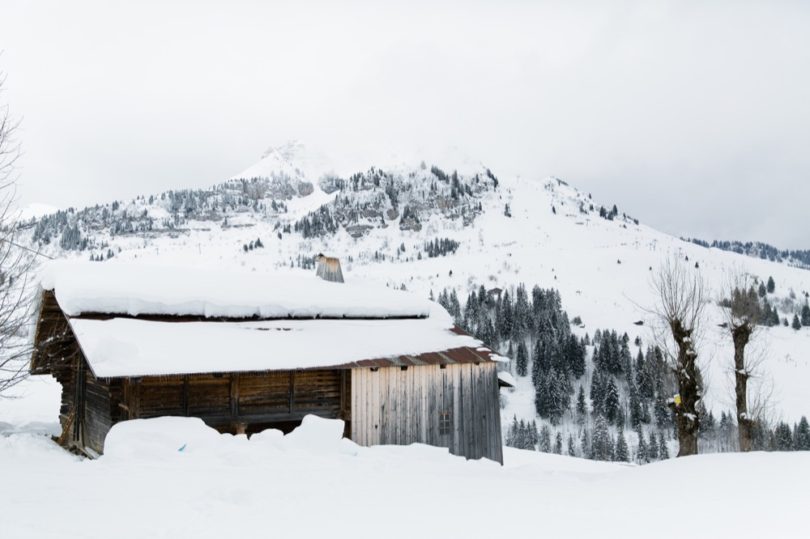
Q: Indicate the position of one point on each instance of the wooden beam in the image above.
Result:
(234, 396)
(291, 391)
(185, 395)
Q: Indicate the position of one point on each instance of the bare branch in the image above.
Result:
(15, 265)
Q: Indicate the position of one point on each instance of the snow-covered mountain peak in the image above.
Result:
(291, 151)
(291, 160)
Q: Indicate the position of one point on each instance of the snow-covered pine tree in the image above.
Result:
(642, 455)
(544, 444)
(522, 361)
(622, 453)
(652, 447)
(663, 451)
(600, 443)
(802, 436)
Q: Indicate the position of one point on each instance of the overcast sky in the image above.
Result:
(692, 116)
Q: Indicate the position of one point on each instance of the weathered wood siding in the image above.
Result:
(234, 401)
(455, 406)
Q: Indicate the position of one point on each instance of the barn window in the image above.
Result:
(445, 422)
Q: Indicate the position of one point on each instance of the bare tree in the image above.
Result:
(681, 299)
(15, 263)
(742, 311)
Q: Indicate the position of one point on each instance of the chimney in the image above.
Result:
(329, 268)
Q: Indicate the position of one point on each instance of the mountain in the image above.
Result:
(455, 229)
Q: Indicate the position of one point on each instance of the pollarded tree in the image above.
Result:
(743, 312)
(681, 299)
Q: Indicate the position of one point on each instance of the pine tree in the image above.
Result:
(663, 451)
(802, 437)
(636, 414)
(522, 363)
(511, 434)
(783, 438)
(642, 456)
(774, 317)
(582, 407)
(805, 320)
(612, 401)
(622, 454)
(545, 440)
(797, 325)
(558, 444)
(762, 292)
(652, 447)
(771, 285)
(533, 436)
(571, 449)
(600, 443)
(585, 443)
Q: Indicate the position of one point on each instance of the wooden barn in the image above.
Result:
(246, 352)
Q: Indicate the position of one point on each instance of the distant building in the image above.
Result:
(247, 352)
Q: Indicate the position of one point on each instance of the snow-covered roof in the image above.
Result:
(506, 379)
(142, 289)
(132, 347)
(245, 321)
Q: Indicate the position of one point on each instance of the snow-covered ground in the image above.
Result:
(174, 477)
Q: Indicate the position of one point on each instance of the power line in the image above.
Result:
(15, 244)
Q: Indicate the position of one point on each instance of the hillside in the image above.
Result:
(432, 228)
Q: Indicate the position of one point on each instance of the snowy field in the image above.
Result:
(174, 478)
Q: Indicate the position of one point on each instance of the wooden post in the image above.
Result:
(185, 395)
(291, 391)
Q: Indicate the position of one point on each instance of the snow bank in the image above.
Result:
(175, 437)
(158, 437)
(118, 287)
(229, 486)
(319, 435)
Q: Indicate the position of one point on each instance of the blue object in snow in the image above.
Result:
(182, 448)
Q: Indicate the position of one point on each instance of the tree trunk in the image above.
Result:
(745, 425)
(686, 414)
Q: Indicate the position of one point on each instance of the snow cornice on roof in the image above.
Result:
(123, 289)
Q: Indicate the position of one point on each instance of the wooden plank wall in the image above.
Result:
(395, 406)
(233, 401)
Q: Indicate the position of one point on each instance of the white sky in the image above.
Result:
(693, 117)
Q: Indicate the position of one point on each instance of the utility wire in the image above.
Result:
(15, 244)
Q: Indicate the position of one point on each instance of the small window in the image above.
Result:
(445, 422)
